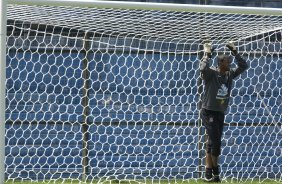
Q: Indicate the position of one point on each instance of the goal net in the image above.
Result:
(102, 94)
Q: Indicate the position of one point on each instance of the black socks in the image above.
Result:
(212, 174)
(209, 172)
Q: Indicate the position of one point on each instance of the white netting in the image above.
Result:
(111, 94)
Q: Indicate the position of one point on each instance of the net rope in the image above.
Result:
(112, 94)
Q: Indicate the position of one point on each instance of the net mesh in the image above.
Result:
(112, 94)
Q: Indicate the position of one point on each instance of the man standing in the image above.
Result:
(215, 99)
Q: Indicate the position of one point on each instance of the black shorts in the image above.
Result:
(213, 122)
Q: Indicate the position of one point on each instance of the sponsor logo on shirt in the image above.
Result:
(222, 93)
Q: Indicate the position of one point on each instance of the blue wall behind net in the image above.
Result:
(49, 88)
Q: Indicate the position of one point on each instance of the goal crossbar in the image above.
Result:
(153, 6)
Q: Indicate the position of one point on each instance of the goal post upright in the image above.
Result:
(3, 5)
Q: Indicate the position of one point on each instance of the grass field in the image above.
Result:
(141, 182)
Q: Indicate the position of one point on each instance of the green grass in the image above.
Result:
(139, 182)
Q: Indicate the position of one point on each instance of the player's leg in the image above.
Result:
(213, 122)
(205, 116)
(209, 166)
(216, 144)
(215, 168)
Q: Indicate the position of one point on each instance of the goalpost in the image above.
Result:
(101, 91)
(2, 86)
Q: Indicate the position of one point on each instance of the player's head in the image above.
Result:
(224, 62)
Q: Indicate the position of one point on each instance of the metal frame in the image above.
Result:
(153, 6)
(101, 4)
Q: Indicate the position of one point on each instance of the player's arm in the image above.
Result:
(204, 63)
(241, 62)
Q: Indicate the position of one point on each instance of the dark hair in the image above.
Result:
(221, 58)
